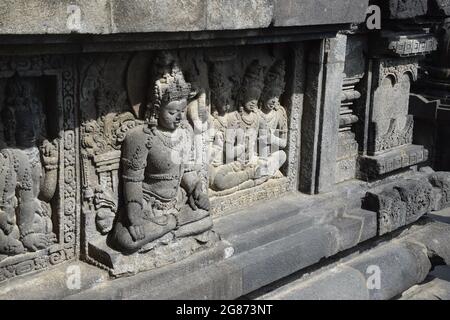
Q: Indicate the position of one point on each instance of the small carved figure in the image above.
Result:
(249, 120)
(274, 127)
(163, 196)
(35, 168)
(224, 172)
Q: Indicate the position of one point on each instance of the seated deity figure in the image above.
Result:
(31, 184)
(275, 126)
(224, 172)
(164, 198)
(250, 123)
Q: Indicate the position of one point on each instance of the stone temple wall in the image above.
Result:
(207, 149)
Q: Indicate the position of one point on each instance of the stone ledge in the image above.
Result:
(117, 16)
(403, 263)
(286, 236)
(402, 157)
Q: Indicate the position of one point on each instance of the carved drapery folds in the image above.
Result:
(38, 186)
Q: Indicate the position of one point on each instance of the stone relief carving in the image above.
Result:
(390, 126)
(30, 171)
(397, 68)
(163, 195)
(146, 201)
(249, 137)
(394, 136)
(228, 131)
(38, 182)
(401, 204)
(391, 99)
(246, 142)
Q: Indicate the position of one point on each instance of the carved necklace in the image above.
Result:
(270, 118)
(251, 120)
(167, 139)
(222, 123)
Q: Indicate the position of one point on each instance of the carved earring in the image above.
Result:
(153, 119)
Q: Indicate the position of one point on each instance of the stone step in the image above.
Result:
(400, 264)
(269, 256)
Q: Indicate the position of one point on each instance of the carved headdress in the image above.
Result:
(169, 84)
(220, 85)
(252, 83)
(20, 100)
(274, 83)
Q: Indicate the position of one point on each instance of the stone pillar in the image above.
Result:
(296, 86)
(350, 135)
(321, 115)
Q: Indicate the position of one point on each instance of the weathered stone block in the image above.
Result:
(54, 17)
(236, 14)
(390, 208)
(441, 181)
(376, 166)
(313, 12)
(417, 195)
(154, 16)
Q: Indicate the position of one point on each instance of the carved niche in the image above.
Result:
(145, 206)
(38, 164)
(252, 152)
(392, 125)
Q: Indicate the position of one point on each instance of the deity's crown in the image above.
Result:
(220, 85)
(274, 83)
(172, 87)
(253, 80)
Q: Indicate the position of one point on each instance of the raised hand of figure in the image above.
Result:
(35, 241)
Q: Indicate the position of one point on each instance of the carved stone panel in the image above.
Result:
(401, 204)
(252, 148)
(38, 172)
(390, 126)
(171, 138)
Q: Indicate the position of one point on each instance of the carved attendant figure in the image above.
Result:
(224, 172)
(249, 122)
(274, 119)
(35, 171)
(164, 198)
